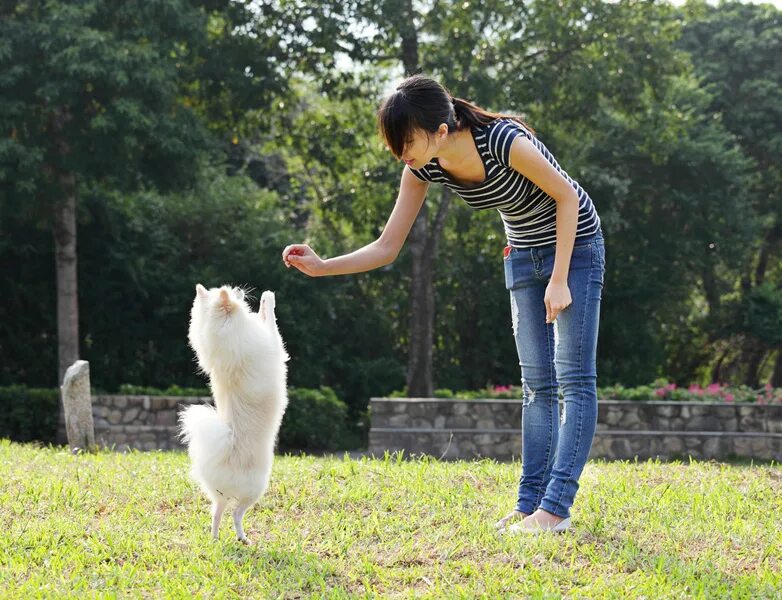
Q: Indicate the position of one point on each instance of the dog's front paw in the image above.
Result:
(266, 309)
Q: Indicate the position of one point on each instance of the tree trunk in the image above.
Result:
(65, 261)
(419, 361)
(423, 242)
(67, 293)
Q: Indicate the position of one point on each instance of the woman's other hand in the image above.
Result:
(557, 299)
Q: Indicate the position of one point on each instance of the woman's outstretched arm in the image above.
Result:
(383, 251)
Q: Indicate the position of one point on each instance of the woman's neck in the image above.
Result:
(457, 147)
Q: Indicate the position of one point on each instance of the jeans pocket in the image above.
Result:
(508, 265)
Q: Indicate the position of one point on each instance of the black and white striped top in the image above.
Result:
(528, 213)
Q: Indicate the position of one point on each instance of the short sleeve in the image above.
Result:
(500, 138)
(421, 174)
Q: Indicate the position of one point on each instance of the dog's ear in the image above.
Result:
(201, 291)
(225, 301)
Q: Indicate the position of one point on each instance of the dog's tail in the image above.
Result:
(208, 437)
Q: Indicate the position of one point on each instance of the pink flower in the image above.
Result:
(670, 386)
(768, 387)
(498, 389)
(729, 397)
(660, 392)
(761, 400)
(714, 388)
(694, 388)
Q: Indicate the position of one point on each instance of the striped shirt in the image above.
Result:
(528, 213)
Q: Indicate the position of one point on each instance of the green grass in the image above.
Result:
(133, 525)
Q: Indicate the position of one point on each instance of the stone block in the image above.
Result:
(613, 416)
(674, 424)
(115, 417)
(166, 417)
(481, 409)
(620, 449)
(120, 401)
(751, 422)
(711, 447)
(130, 415)
(672, 444)
(77, 406)
(460, 408)
(630, 421)
(742, 446)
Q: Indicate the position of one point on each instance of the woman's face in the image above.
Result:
(422, 146)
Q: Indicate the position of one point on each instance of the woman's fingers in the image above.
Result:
(294, 250)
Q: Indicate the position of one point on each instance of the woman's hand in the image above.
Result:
(557, 299)
(304, 259)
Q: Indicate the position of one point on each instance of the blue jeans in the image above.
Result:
(554, 356)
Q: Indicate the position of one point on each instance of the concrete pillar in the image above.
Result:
(77, 406)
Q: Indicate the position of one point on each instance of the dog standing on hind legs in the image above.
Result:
(231, 445)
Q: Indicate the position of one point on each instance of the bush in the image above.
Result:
(315, 420)
(28, 414)
(661, 389)
(128, 389)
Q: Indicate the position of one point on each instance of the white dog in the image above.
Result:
(231, 445)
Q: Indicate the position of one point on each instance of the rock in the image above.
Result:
(130, 415)
(167, 417)
(77, 406)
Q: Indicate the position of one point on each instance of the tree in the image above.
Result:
(735, 48)
(116, 94)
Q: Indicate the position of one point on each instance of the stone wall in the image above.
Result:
(625, 429)
(140, 422)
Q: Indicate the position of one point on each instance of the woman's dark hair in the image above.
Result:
(421, 103)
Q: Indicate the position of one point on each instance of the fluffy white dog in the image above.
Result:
(231, 445)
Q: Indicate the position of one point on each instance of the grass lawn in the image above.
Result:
(133, 525)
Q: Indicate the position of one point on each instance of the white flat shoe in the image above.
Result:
(504, 521)
(563, 525)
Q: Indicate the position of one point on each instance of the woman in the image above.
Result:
(554, 267)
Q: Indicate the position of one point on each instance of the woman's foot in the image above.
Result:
(541, 521)
(508, 519)
(542, 518)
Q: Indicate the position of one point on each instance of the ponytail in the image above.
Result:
(471, 115)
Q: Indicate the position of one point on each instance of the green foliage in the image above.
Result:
(314, 420)
(661, 389)
(28, 414)
(173, 390)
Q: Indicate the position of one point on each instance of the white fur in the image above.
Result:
(231, 445)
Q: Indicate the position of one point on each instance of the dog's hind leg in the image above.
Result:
(238, 515)
(218, 507)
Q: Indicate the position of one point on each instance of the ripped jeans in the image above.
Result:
(554, 357)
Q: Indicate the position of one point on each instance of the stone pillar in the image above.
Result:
(77, 406)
